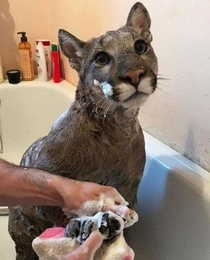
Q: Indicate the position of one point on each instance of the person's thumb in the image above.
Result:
(87, 250)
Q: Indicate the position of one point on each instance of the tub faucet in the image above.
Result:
(1, 138)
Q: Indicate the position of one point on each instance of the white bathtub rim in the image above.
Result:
(160, 149)
(176, 163)
(63, 86)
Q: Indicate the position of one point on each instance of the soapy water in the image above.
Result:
(119, 249)
(58, 245)
(54, 243)
(107, 223)
(103, 203)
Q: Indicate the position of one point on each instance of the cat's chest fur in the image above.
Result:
(91, 147)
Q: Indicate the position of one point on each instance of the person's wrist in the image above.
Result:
(66, 190)
(55, 184)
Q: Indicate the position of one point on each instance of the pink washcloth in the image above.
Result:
(52, 245)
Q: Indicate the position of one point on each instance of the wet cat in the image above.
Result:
(99, 138)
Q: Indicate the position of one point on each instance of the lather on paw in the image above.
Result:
(55, 243)
(108, 224)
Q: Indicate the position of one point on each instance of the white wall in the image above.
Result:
(179, 112)
(19, 15)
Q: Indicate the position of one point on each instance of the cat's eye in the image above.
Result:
(140, 46)
(102, 58)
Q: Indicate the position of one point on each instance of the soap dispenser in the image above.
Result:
(25, 58)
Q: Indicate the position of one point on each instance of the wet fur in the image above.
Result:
(99, 138)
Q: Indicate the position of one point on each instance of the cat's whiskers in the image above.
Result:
(160, 83)
(162, 90)
(92, 95)
(159, 78)
(109, 108)
(99, 90)
(110, 103)
(96, 106)
(104, 103)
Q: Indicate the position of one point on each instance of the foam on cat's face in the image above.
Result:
(128, 96)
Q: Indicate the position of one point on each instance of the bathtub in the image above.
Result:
(173, 197)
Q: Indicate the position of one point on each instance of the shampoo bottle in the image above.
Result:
(55, 64)
(25, 58)
(41, 62)
(47, 50)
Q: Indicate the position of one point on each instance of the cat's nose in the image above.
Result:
(134, 76)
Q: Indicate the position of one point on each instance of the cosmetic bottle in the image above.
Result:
(25, 58)
(47, 51)
(1, 71)
(41, 62)
(55, 64)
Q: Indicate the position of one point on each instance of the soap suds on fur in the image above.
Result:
(89, 208)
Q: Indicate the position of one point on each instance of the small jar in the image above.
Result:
(13, 76)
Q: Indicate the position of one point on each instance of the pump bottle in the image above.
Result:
(25, 58)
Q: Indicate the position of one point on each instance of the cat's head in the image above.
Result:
(120, 65)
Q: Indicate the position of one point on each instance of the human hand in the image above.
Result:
(87, 198)
(53, 244)
(87, 250)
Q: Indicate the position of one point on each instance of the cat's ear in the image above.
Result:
(72, 48)
(139, 18)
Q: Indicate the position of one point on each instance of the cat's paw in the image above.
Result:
(108, 223)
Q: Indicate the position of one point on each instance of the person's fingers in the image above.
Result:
(94, 241)
(120, 210)
(87, 250)
(117, 197)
